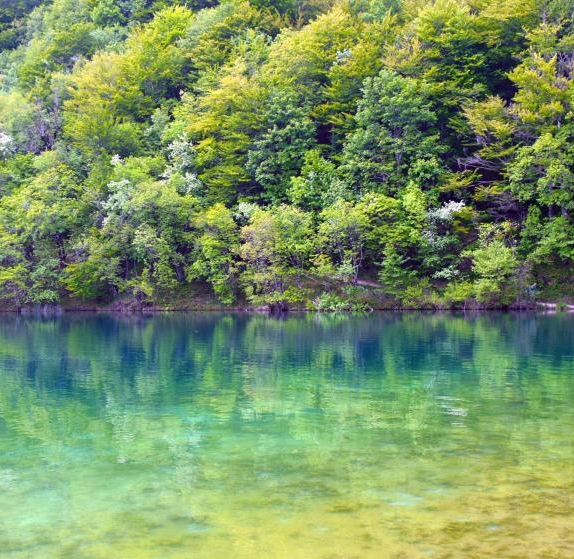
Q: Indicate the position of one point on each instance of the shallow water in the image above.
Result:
(211, 436)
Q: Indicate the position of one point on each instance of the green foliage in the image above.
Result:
(395, 133)
(317, 185)
(302, 59)
(221, 125)
(331, 302)
(458, 292)
(542, 99)
(395, 276)
(95, 271)
(11, 15)
(217, 250)
(555, 241)
(107, 12)
(276, 246)
(495, 266)
(275, 157)
(544, 171)
(113, 91)
(285, 151)
(342, 236)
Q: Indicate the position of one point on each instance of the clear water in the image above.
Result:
(214, 436)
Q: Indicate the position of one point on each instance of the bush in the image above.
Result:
(458, 292)
(331, 302)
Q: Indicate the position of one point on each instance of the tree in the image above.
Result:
(222, 124)
(317, 185)
(542, 100)
(149, 220)
(544, 172)
(495, 265)
(277, 245)
(37, 220)
(95, 270)
(11, 15)
(342, 236)
(276, 156)
(217, 248)
(114, 92)
(395, 131)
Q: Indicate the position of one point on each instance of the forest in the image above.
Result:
(324, 154)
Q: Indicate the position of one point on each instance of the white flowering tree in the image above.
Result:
(6, 145)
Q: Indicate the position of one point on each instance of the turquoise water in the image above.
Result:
(211, 436)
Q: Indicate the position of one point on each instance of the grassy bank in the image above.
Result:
(367, 296)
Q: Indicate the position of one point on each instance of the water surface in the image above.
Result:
(211, 436)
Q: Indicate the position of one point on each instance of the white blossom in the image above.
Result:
(342, 56)
(118, 202)
(6, 145)
(181, 154)
(244, 211)
(116, 160)
(446, 211)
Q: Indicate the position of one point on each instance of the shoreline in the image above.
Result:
(56, 310)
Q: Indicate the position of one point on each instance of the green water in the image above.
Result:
(214, 436)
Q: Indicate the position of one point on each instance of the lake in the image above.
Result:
(212, 436)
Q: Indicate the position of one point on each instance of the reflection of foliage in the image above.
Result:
(223, 409)
(394, 348)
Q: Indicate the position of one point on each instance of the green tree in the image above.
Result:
(222, 124)
(216, 252)
(495, 266)
(114, 92)
(275, 156)
(544, 172)
(276, 247)
(37, 220)
(317, 186)
(342, 236)
(395, 131)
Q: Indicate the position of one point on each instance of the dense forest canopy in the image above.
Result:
(287, 152)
